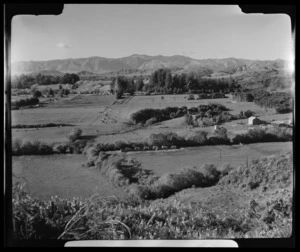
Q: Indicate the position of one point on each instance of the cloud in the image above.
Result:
(63, 45)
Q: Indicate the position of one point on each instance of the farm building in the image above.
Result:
(216, 127)
(253, 120)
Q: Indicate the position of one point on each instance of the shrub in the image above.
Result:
(74, 134)
(36, 94)
(227, 168)
(165, 139)
(284, 109)
(249, 113)
(188, 119)
(151, 121)
(212, 174)
(119, 145)
(191, 97)
(219, 137)
(78, 146)
(26, 102)
(27, 147)
(271, 134)
(197, 138)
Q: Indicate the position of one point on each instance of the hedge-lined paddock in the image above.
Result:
(122, 171)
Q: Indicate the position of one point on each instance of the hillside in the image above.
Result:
(264, 179)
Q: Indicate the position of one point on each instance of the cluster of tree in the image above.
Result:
(122, 84)
(281, 101)
(242, 96)
(208, 115)
(63, 91)
(26, 81)
(201, 116)
(144, 115)
(162, 81)
(26, 102)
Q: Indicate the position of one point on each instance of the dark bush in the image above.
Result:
(74, 134)
(271, 134)
(249, 113)
(26, 102)
(26, 147)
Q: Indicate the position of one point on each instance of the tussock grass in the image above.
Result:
(108, 218)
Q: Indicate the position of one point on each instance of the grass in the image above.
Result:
(107, 218)
(63, 175)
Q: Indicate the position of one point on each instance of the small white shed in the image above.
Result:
(216, 127)
(253, 120)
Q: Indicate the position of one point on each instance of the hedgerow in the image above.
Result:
(270, 134)
(42, 125)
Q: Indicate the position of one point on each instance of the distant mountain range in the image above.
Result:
(142, 63)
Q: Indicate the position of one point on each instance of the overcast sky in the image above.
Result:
(113, 31)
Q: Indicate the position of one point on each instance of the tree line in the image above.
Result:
(26, 81)
(163, 82)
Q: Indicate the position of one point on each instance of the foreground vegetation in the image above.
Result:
(111, 218)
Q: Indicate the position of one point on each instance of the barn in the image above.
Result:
(253, 120)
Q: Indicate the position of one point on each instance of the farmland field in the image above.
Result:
(63, 175)
(100, 117)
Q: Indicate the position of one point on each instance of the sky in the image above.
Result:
(114, 31)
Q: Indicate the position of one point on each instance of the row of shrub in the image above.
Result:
(212, 110)
(111, 219)
(26, 102)
(201, 116)
(171, 183)
(122, 171)
(167, 140)
(42, 125)
(144, 115)
(26, 147)
(259, 135)
(155, 141)
(170, 140)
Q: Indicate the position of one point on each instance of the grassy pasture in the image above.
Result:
(87, 112)
(61, 175)
(64, 176)
(172, 161)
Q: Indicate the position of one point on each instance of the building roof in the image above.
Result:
(252, 117)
